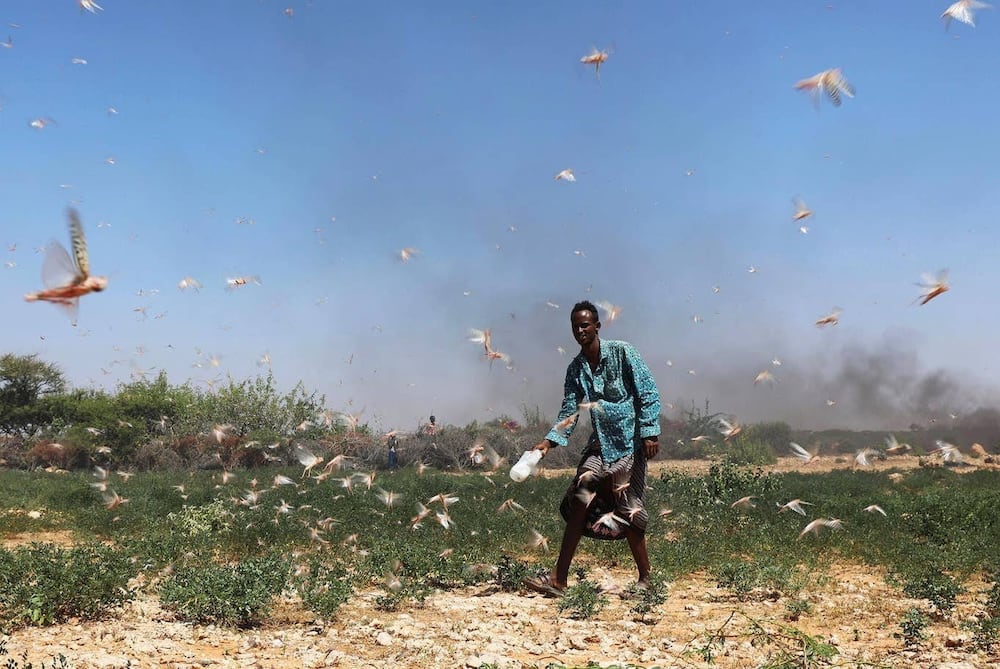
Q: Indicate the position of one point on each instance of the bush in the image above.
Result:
(993, 597)
(985, 633)
(256, 410)
(912, 628)
(582, 600)
(938, 588)
(762, 579)
(694, 422)
(645, 600)
(749, 451)
(200, 521)
(157, 456)
(796, 608)
(511, 573)
(773, 435)
(409, 590)
(42, 584)
(323, 588)
(231, 595)
(723, 483)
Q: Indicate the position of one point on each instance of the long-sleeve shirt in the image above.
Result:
(627, 403)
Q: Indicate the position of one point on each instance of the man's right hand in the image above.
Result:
(542, 446)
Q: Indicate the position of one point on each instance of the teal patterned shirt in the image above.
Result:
(628, 403)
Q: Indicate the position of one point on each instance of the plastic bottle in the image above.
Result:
(526, 466)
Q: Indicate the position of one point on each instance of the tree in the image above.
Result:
(256, 409)
(25, 382)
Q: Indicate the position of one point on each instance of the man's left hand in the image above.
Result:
(652, 446)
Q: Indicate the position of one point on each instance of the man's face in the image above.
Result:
(585, 327)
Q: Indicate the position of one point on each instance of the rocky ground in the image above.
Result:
(853, 608)
(478, 626)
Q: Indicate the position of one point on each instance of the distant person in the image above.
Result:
(431, 428)
(393, 457)
(605, 499)
(510, 425)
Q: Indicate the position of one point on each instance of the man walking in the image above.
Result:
(605, 499)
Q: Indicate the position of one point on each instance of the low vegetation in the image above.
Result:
(220, 524)
(213, 556)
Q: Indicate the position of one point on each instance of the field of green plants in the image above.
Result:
(214, 553)
(194, 497)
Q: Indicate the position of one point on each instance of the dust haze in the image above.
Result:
(854, 384)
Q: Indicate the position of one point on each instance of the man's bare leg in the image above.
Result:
(637, 544)
(570, 540)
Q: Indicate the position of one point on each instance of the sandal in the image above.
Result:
(543, 585)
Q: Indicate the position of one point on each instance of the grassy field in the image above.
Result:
(196, 541)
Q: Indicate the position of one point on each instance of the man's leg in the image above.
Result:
(575, 515)
(571, 539)
(637, 544)
(635, 533)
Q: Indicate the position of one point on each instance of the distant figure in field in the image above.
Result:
(605, 499)
(431, 428)
(393, 457)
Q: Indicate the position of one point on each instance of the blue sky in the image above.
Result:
(349, 131)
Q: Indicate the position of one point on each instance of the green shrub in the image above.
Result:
(511, 573)
(410, 590)
(42, 584)
(725, 480)
(582, 600)
(935, 586)
(645, 600)
(198, 521)
(993, 597)
(796, 607)
(723, 483)
(323, 588)
(791, 648)
(985, 633)
(749, 451)
(231, 595)
(757, 579)
(774, 435)
(912, 628)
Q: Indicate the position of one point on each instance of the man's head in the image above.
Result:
(586, 305)
(586, 322)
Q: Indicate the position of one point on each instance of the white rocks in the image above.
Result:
(473, 627)
(143, 647)
(100, 660)
(333, 658)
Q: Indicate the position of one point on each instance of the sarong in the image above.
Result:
(620, 488)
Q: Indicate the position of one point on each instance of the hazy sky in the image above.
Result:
(348, 131)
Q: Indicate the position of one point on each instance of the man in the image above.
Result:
(393, 456)
(431, 428)
(605, 499)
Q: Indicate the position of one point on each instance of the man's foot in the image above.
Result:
(545, 585)
(634, 590)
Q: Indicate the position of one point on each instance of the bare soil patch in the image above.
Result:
(853, 607)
